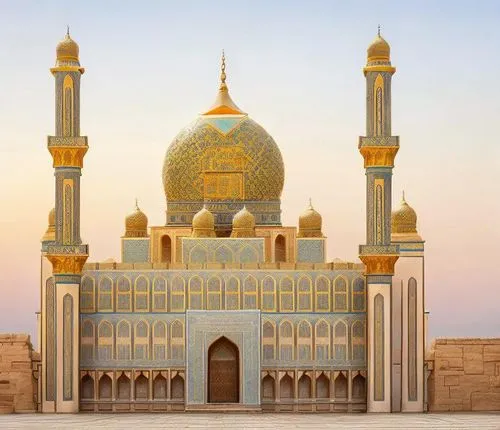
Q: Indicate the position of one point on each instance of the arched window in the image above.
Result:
(214, 293)
(105, 297)
(87, 341)
(286, 295)
(358, 295)
(268, 388)
(87, 295)
(268, 303)
(159, 387)
(340, 295)
(177, 295)
(105, 387)
(304, 294)
(141, 293)
(195, 293)
(341, 386)
(233, 293)
(123, 341)
(340, 341)
(286, 340)
(304, 340)
(322, 294)
(177, 387)
(305, 386)
(124, 294)
(141, 341)
(141, 387)
(280, 249)
(268, 340)
(247, 254)
(166, 249)
(87, 388)
(286, 387)
(223, 254)
(358, 340)
(358, 387)
(322, 386)
(250, 293)
(160, 341)
(177, 340)
(105, 341)
(322, 340)
(123, 387)
(159, 294)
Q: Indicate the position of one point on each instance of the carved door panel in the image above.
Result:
(223, 372)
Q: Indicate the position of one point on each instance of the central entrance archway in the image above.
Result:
(223, 372)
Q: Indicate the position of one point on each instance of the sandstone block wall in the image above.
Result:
(17, 384)
(464, 375)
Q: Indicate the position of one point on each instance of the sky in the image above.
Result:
(296, 68)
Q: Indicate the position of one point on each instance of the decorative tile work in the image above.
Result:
(311, 250)
(222, 250)
(135, 250)
(68, 347)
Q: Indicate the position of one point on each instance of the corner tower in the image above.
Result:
(378, 149)
(67, 254)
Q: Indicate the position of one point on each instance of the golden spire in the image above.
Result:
(223, 105)
(136, 204)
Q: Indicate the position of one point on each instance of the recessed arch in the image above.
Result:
(280, 249)
(166, 249)
(223, 372)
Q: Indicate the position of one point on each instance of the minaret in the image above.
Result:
(379, 149)
(60, 366)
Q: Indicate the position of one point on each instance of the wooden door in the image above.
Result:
(223, 372)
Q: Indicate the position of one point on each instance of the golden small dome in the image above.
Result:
(243, 224)
(203, 224)
(136, 224)
(404, 219)
(67, 49)
(310, 223)
(379, 50)
(50, 234)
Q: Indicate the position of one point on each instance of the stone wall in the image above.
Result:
(464, 375)
(17, 383)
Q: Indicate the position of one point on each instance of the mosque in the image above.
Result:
(223, 307)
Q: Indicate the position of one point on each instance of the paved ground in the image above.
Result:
(454, 421)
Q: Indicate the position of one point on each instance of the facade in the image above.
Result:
(223, 307)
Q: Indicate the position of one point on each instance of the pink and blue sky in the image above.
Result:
(296, 68)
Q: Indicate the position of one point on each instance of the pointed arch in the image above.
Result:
(141, 294)
(304, 287)
(160, 341)
(123, 387)
(340, 386)
(268, 294)
(304, 340)
(105, 341)
(268, 340)
(322, 340)
(340, 340)
(105, 387)
(340, 294)
(378, 106)
(123, 340)
(123, 294)
(322, 386)
(280, 249)
(198, 254)
(105, 296)
(233, 293)
(68, 125)
(359, 387)
(141, 340)
(87, 294)
(287, 299)
(358, 299)
(305, 386)
(224, 254)
(358, 340)
(214, 293)
(195, 292)
(87, 388)
(177, 387)
(141, 386)
(178, 294)
(379, 348)
(247, 254)
(286, 340)
(159, 294)
(166, 249)
(286, 387)
(250, 286)
(159, 387)
(412, 340)
(268, 392)
(177, 340)
(322, 285)
(87, 340)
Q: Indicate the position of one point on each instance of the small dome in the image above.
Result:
(203, 224)
(136, 224)
(67, 49)
(310, 223)
(50, 234)
(243, 224)
(379, 50)
(404, 219)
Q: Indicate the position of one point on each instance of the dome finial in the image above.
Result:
(67, 30)
(310, 203)
(223, 70)
(136, 204)
(403, 198)
(378, 30)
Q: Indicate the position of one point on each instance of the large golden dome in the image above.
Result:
(136, 224)
(310, 223)
(223, 159)
(404, 219)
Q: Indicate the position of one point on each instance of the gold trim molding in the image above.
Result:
(379, 264)
(67, 156)
(379, 156)
(67, 264)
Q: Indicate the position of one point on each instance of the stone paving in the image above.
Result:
(258, 421)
